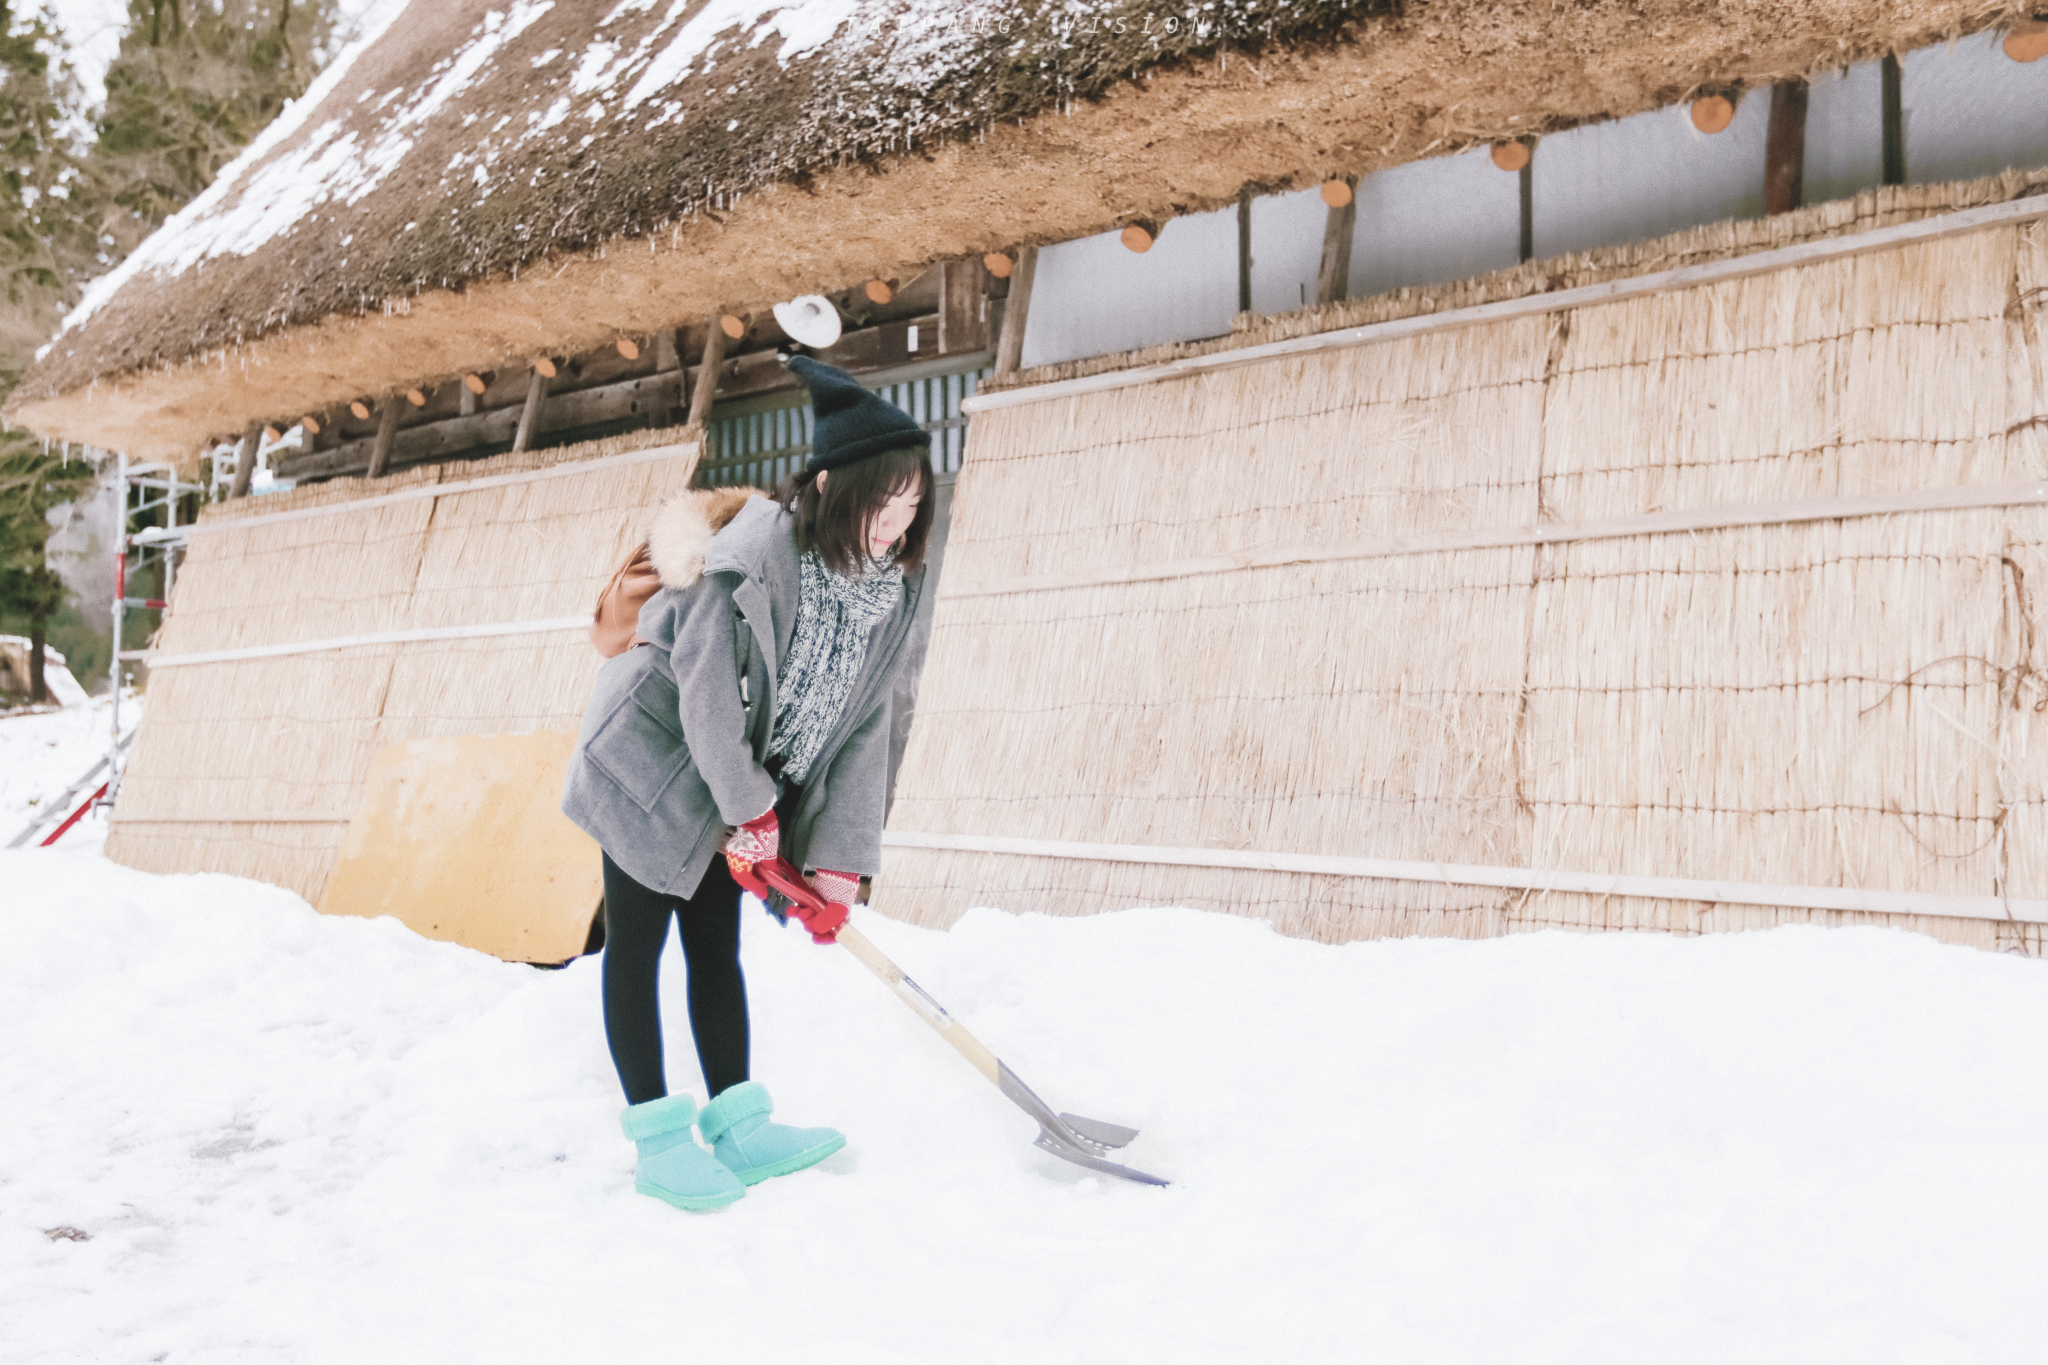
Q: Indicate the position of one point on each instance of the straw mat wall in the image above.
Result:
(1853, 703)
(293, 735)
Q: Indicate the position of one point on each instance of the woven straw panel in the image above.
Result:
(1838, 704)
(295, 734)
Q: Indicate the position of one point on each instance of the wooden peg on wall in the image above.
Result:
(360, 410)
(1140, 235)
(1511, 156)
(628, 348)
(475, 384)
(2027, 41)
(544, 367)
(733, 327)
(878, 291)
(997, 264)
(416, 398)
(1337, 193)
(311, 424)
(1713, 113)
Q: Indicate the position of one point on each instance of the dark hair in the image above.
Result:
(833, 524)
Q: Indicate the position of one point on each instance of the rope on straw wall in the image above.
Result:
(1511, 878)
(2031, 493)
(1608, 291)
(382, 637)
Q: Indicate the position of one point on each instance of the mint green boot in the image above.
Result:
(737, 1127)
(672, 1166)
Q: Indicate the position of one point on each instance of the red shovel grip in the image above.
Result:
(779, 876)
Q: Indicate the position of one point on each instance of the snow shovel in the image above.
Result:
(1085, 1142)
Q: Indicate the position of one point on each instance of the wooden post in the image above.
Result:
(245, 461)
(1527, 176)
(387, 431)
(1894, 123)
(963, 320)
(668, 350)
(1244, 250)
(529, 416)
(1785, 148)
(706, 392)
(1016, 313)
(1333, 276)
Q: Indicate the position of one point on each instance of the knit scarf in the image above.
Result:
(834, 617)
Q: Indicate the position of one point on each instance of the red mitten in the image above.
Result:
(837, 890)
(757, 840)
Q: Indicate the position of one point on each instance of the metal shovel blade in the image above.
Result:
(1085, 1142)
(1099, 1134)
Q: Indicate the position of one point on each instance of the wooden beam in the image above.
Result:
(529, 416)
(963, 306)
(656, 399)
(458, 436)
(245, 461)
(1785, 148)
(706, 393)
(1333, 275)
(387, 431)
(1016, 313)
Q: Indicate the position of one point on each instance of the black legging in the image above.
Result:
(636, 930)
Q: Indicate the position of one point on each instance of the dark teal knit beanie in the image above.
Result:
(852, 423)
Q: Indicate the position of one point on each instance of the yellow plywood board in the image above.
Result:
(463, 839)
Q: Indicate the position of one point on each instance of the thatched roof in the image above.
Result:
(477, 183)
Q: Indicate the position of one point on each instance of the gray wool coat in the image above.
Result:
(676, 731)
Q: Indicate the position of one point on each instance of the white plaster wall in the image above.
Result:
(1094, 295)
(1287, 249)
(1431, 221)
(1844, 133)
(1971, 110)
(1639, 177)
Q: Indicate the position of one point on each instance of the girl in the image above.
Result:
(751, 714)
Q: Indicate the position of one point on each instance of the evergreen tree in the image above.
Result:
(47, 246)
(32, 482)
(194, 82)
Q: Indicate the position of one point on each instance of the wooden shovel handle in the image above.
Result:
(913, 995)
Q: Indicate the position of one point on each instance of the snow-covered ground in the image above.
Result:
(294, 1138)
(41, 755)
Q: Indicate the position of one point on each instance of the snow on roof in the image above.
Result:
(468, 137)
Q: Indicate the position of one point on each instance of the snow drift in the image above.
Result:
(291, 1137)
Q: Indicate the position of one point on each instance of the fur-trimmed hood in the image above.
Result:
(680, 534)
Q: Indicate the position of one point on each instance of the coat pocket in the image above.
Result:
(639, 746)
